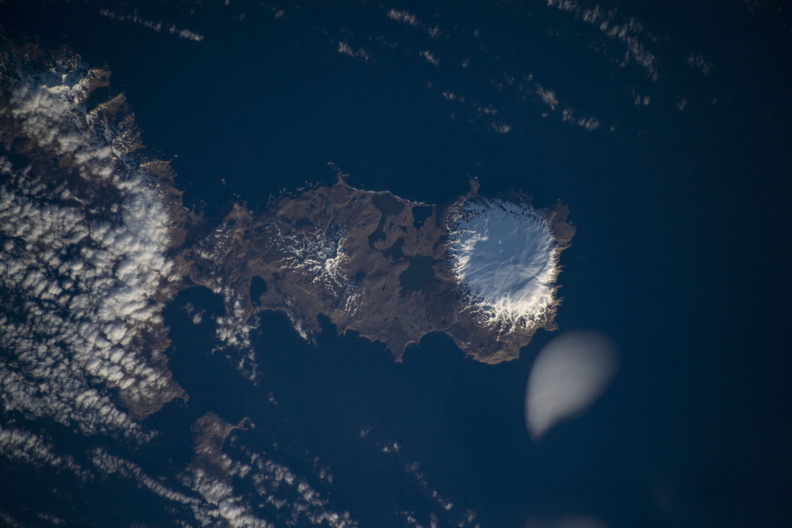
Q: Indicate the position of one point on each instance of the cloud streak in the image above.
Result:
(154, 26)
(36, 451)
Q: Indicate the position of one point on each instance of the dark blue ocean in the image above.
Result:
(681, 255)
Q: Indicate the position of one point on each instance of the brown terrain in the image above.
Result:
(371, 262)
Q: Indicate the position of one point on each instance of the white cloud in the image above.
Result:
(10, 521)
(83, 264)
(641, 100)
(548, 97)
(409, 19)
(588, 123)
(698, 62)
(346, 49)
(430, 57)
(109, 464)
(566, 521)
(23, 446)
(155, 26)
(185, 33)
(218, 494)
(500, 127)
(627, 32)
(211, 497)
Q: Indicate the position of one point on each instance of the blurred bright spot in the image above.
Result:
(567, 521)
(571, 372)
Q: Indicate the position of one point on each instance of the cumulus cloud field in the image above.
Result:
(83, 259)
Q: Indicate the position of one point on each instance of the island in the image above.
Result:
(96, 241)
(374, 264)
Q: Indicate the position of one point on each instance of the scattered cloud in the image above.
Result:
(504, 283)
(83, 263)
(108, 464)
(34, 450)
(234, 328)
(219, 501)
(588, 123)
(346, 49)
(317, 253)
(698, 62)
(10, 521)
(501, 128)
(409, 19)
(294, 497)
(155, 26)
(569, 374)
(430, 57)
(550, 99)
(641, 100)
(627, 32)
(403, 17)
(277, 13)
(566, 521)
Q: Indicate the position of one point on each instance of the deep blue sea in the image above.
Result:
(681, 255)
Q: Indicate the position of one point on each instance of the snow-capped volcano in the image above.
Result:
(506, 259)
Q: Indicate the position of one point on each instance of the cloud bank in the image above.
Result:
(83, 230)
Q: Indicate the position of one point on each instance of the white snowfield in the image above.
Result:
(506, 259)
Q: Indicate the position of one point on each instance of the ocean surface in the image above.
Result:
(681, 255)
